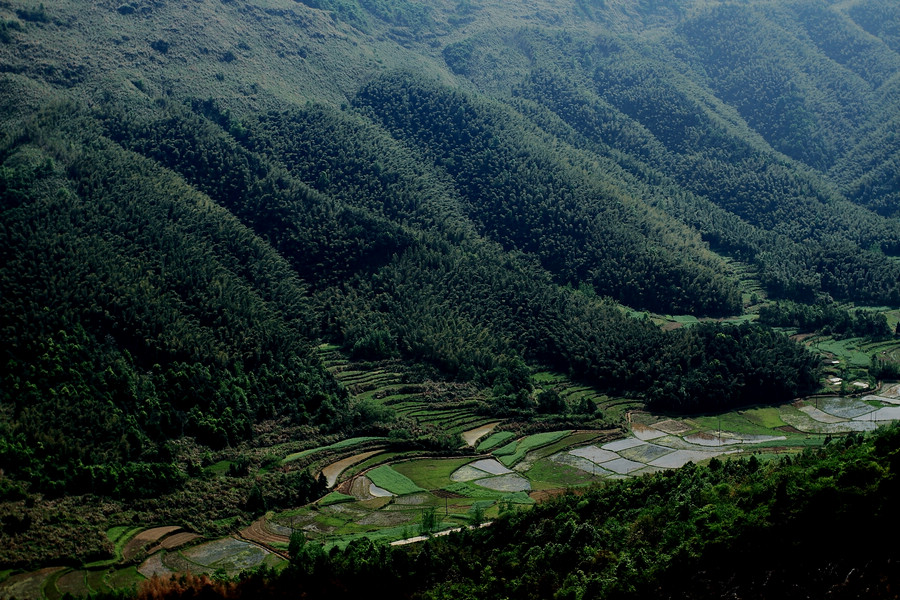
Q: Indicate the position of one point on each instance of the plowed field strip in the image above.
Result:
(334, 470)
(145, 538)
(258, 532)
(473, 435)
(175, 541)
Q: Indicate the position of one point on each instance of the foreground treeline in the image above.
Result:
(794, 527)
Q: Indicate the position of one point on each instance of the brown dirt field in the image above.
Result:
(174, 541)
(144, 539)
(375, 503)
(179, 539)
(788, 429)
(446, 494)
(671, 325)
(359, 488)
(258, 532)
(334, 470)
(473, 435)
(799, 337)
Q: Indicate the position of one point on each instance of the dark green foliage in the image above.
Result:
(35, 15)
(116, 333)
(826, 318)
(256, 503)
(400, 13)
(529, 199)
(550, 402)
(884, 368)
(160, 46)
(375, 345)
(6, 27)
(710, 368)
(631, 104)
(429, 521)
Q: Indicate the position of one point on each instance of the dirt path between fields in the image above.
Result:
(422, 538)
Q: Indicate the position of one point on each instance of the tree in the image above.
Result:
(295, 546)
(429, 521)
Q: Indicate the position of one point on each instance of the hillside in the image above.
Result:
(197, 195)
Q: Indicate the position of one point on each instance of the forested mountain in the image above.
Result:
(193, 195)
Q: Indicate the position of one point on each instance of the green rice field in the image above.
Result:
(387, 478)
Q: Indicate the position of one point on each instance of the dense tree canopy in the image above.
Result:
(219, 187)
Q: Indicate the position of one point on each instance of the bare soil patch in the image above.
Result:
(473, 435)
(799, 337)
(179, 539)
(334, 470)
(410, 500)
(72, 583)
(359, 488)
(446, 494)
(788, 429)
(144, 539)
(258, 531)
(155, 566)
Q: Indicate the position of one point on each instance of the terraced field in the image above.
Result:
(748, 281)
(383, 492)
(612, 408)
(120, 572)
(105, 576)
(383, 384)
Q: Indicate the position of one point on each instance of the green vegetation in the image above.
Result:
(429, 474)
(495, 439)
(335, 498)
(388, 479)
(244, 240)
(513, 452)
(764, 417)
(827, 319)
(336, 446)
